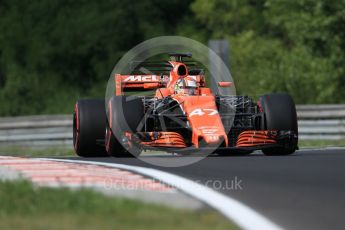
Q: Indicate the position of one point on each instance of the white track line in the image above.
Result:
(311, 149)
(242, 215)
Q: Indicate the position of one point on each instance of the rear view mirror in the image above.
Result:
(225, 84)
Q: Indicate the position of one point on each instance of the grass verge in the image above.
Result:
(23, 206)
(321, 143)
(22, 151)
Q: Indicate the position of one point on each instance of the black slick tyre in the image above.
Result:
(89, 123)
(280, 115)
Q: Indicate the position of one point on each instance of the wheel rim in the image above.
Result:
(108, 134)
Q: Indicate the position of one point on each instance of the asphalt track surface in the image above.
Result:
(301, 191)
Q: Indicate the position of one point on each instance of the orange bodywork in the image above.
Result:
(254, 138)
(200, 109)
(165, 139)
(203, 117)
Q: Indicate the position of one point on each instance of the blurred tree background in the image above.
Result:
(53, 52)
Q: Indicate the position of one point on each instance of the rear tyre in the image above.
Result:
(280, 115)
(124, 116)
(89, 122)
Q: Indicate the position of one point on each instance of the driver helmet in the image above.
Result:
(186, 86)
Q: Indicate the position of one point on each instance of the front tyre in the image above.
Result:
(113, 146)
(280, 115)
(124, 116)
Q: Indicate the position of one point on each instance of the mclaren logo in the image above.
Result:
(202, 112)
(141, 78)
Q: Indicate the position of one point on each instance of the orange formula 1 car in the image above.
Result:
(182, 116)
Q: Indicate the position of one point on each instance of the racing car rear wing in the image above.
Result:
(139, 82)
(125, 83)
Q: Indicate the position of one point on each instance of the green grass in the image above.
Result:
(23, 206)
(35, 152)
(320, 143)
